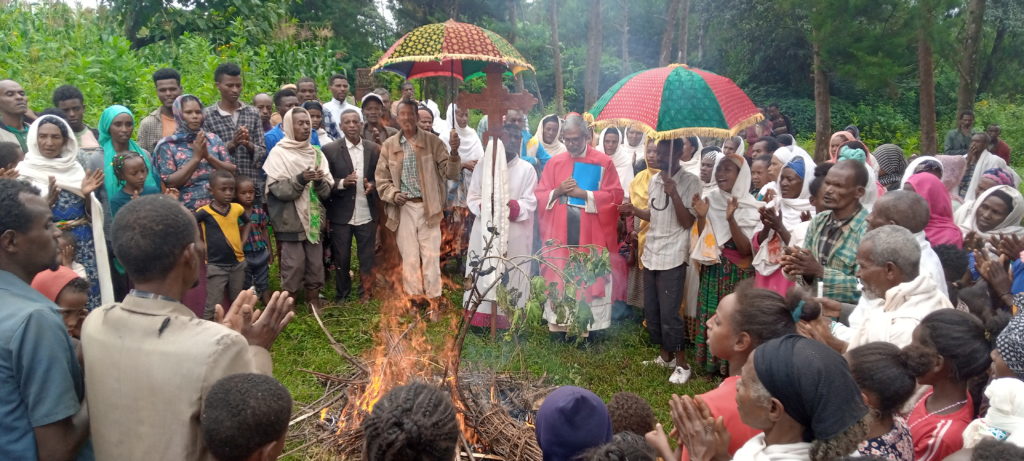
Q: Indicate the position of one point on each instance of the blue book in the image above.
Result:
(588, 177)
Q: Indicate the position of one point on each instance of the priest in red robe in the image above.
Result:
(577, 200)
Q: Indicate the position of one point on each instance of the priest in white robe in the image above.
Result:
(501, 197)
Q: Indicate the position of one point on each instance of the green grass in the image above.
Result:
(607, 365)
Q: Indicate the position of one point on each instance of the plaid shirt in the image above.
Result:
(151, 130)
(834, 244)
(257, 241)
(249, 163)
(410, 170)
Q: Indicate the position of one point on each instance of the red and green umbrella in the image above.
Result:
(675, 101)
(450, 49)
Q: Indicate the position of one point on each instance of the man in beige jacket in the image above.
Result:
(149, 360)
(412, 176)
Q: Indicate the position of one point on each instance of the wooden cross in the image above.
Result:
(495, 101)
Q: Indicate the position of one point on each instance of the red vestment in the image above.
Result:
(594, 228)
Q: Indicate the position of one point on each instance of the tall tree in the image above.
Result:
(513, 22)
(822, 106)
(926, 75)
(968, 68)
(592, 77)
(670, 29)
(556, 52)
(625, 39)
(684, 32)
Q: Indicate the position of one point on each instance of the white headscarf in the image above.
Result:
(69, 175)
(440, 124)
(470, 147)
(784, 154)
(747, 215)
(289, 159)
(914, 165)
(633, 153)
(965, 216)
(623, 165)
(987, 161)
(1005, 413)
(537, 140)
(711, 185)
(741, 147)
(692, 166)
(792, 209)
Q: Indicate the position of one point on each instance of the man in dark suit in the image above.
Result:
(353, 207)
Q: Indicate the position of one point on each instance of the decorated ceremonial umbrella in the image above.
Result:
(675, 101)
(450, 49)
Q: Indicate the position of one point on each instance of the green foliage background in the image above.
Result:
(110, 52)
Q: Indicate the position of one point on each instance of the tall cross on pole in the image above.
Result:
(495, 101)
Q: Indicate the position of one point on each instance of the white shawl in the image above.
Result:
(756, 450)
(633, 153)
(747, 215)
(470, 146)
(492, 175)
(965, 216)
(792, 208)
(692, 166)
(914, 165)
(289, 159)
(1005, 412)
(553, 148)
(69, 174)
(987, 161)
(894, 319)
(623, 165)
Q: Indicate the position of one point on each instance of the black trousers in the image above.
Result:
(341, 251)
(663, 294)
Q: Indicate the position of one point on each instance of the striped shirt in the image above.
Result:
(410, 170)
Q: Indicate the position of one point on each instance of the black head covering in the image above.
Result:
(813, 382)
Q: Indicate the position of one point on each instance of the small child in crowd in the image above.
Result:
(10, 156)
(68, 251)
(69, 292)
(759, 173)
(245, 417)
(224, 226)
(257, 246)
(631, 413)
(131, 172)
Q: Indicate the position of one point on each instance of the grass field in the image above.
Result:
(610, 364)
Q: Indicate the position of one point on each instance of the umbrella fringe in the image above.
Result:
(708, 132)
(515, 65)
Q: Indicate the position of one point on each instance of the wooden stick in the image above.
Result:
(340, 349)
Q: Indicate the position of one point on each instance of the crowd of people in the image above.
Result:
(861, 304)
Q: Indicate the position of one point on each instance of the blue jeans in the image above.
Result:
(257, 270)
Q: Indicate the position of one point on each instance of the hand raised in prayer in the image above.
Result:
(454, 141)
(377, 137)
(730, 209)
(312, 175)
(92, 181)
(805, 216)
(67, 255)
(770, 218)
(830, 307)
(401, 198)
(244, 138)
(52, 191)
(769, 196)
(8, 173)
(658, 441)
(994, 271)
(199, 146)
(800, 262)
(703, 435)
(1010, 246)
(700, 205)
(973, 242)
(470, 165)
(260, 328)
(350, 180)
(565, 187)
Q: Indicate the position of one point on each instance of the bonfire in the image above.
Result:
(494, 411)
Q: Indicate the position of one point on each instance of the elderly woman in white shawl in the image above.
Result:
(471, 150)
(51, 164)
(545, 143)
(998, 211)
(634, 147)
(610, 142)
(781, 221)
(298, 179)
(726, 220)
(502, 199)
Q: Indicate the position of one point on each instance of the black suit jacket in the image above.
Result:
(342, 202)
